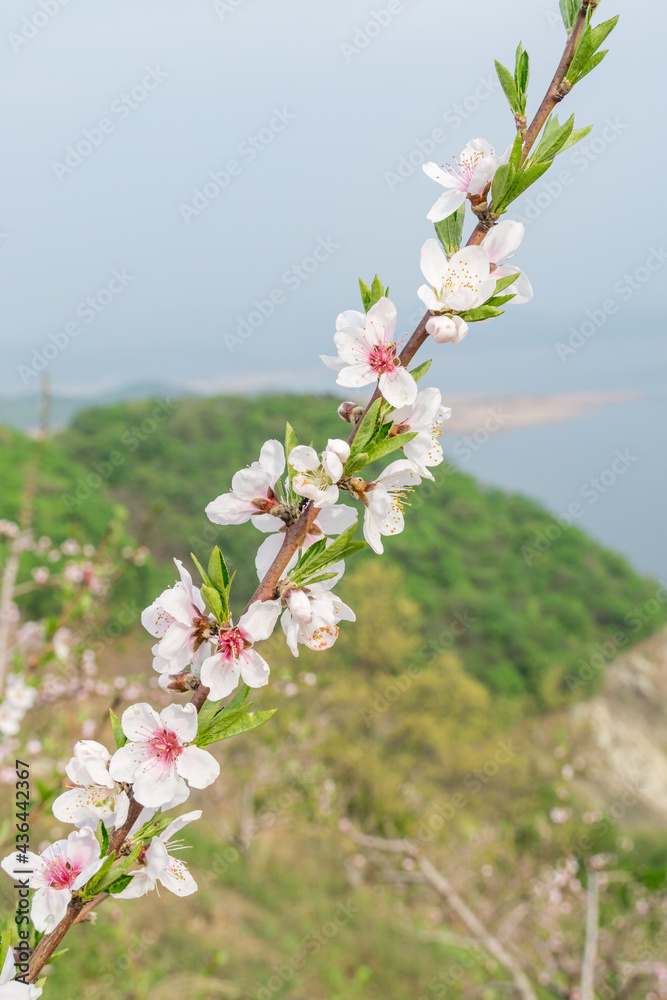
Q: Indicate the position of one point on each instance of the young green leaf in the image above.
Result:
(502, 182)
(217, 570)
(531, 172)
(517, 148)
(366, 428)
(356, 463)
(365, 295)
(103, 837)
(503, 283)
(390, 444)
(232, 724)
(377, 290)
(119, 884)
(508, 84)
(95, 885)
(203, 575)
(419, 372)
(569, 10)
(216, 603)
(119, 736)
(450, 230)
(482, 312)
(521, 74)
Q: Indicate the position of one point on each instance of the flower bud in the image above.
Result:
(351, 412)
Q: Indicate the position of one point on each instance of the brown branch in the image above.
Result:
(591, 945)
(558, 87)
(444, 888)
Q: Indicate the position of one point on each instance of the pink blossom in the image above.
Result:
(160, 757)
(367, 353)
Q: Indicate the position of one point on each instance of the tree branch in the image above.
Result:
(591, 945)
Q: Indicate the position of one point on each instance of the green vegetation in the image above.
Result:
(524, 627)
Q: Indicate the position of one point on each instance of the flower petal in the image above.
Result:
(181, 720)
(140, 721)
(198, 767)
(254, 669)
(446, 205)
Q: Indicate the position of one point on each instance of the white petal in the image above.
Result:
(198, 767)
(354, 376)
(382, 318)
(141, 884)
(272, 459)
(350, 318)
(440, 175)
(335, 520)
(267, 552)
(503, 239)
(398, 387)
(303, 458)
(220, 677)
(260, 619)
(177, 879)
(49, 907)
(446, 205)
(254, 669)
(155, 785)
(229, 509)
(140, 721)
(178, 824)
(433, 262)
(333, 363)
(181, 720)
(299, 605)
(125, 762)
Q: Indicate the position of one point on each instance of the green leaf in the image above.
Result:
(521, 74)
(125, 862)
(503, 283)
(591, 64)
(95, 885)
(291, 440)
(530, 173)
(390, 444)
(119, 736)
(232, 724)
(517, 149)
(482, 312)
(119, 884)
(553, 140)
(319, 579)
(203, 575)
(509, 87)
(591, 40)
(102, 835)
(356, 463)
(365, 295)
(502, 182)
(450, 230)
(419, 372)
(499, 300)
(575, 135)
(366, 428)
(206, 714)
(215, 602)
(342, 548)
(569, 10)
(217, 570)
(377, 290)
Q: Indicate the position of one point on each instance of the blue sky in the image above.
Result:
(307, 114)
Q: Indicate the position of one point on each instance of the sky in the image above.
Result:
(124, 259)
(191, 190)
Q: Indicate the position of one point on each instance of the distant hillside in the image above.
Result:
(523, 627)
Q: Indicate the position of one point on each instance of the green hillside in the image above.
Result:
(521, 627)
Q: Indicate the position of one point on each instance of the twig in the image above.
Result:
(445, 889)
(591, 945)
